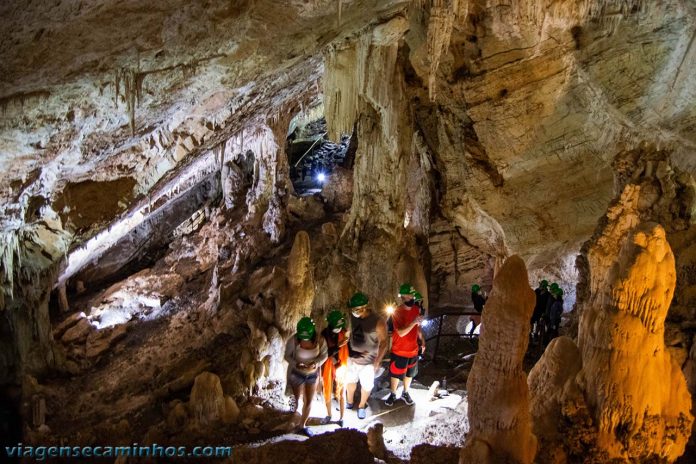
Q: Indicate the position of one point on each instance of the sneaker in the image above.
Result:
(348, 406)
(390, 399)
(361, 413)
(308, 432)
(340, 422)
(407, 398)
(325, 420)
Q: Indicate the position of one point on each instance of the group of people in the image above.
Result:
(546, 318)
(350, 350)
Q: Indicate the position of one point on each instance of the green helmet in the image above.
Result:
(336, 319)
(475, 288)
(357, 300)
(554, 286)
(557, 291)
(544, 283)
(417, 296)
(306, 329)
(406, 289)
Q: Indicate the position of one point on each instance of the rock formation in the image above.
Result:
(562, 423)
(630, 379)
(633, 387)
(501, 426)
(296, 296)
(649, 187)
(208, 403)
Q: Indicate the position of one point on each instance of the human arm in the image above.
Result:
(323, 353)
(421, 337)
(383, 341)
(344, 341)
(290, 352)
(403, 332)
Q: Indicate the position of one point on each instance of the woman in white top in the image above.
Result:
(305, 354)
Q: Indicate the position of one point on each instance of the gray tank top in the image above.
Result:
(363, 337)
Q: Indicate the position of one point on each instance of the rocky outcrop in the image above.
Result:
(501, 426)
(562, 423)
(208, 403)
(296, 297)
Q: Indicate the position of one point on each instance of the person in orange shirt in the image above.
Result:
(336, 337)
(404, 358)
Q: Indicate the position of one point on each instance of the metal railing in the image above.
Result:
(440, 331)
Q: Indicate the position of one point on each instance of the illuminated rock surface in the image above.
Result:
(501, 426)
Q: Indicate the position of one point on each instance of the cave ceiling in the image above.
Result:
(522, 106)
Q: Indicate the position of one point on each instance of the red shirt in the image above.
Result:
(406, 346)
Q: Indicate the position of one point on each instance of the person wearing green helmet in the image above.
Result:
(554, 312)
(478, 298)
(305, 353)
(404, 356)
(367, 346)
(333, 372)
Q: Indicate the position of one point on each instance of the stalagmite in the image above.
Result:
(637, 390)
(208, 404)
(501, 426)
(298, 293)
(555, 397)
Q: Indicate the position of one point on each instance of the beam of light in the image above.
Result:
(390, 309)
(425, 323)
(321, 177)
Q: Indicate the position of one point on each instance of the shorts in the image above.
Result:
(401, 366)
(298, 378)
(363, 373)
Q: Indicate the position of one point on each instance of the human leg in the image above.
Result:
(310, 388)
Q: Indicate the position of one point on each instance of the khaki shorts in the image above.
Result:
(363, 373)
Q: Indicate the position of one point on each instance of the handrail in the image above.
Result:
(440, 317)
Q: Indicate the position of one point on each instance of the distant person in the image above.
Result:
(305, 170)
(367, 346)
(404, 358)
(478, 298)
(334, 370)
(554, 313)
(305, 353)
(542, 300)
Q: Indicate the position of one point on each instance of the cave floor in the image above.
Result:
(440, 421)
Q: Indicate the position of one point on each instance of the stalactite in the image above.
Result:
(443, 14)
(10, 261)
(132, 80)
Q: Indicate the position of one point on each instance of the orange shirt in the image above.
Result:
(406, 346)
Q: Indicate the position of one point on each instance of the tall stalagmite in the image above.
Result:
(296, 297)
(635, 388)
(501, 426)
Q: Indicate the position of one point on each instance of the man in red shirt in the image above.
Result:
(404, 358)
